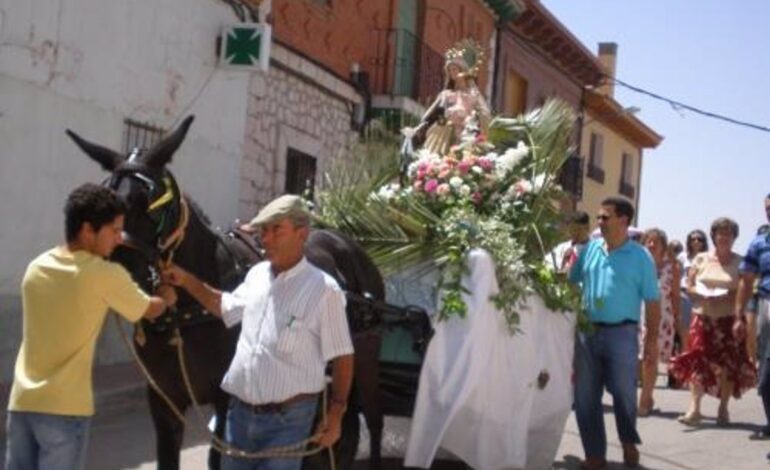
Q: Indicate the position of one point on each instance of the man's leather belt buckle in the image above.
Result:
(600, 324)
(271, 408)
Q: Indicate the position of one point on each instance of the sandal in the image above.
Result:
(645, 411)
(690, 419)
(723, 418)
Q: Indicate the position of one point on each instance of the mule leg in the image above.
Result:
(221, 403)
(367, 379)
(169, 432)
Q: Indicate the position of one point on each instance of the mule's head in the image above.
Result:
(153, 198)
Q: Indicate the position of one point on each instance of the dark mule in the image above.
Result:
(157, 214)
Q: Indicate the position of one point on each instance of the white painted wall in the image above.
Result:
(87, 65)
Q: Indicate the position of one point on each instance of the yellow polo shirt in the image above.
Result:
(65, 299)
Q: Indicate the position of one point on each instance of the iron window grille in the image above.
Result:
(140, 135)
(300, 173)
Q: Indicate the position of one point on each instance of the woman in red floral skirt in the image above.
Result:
(715, 362)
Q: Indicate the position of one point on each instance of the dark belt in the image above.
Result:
(279, 407)
(601, 324)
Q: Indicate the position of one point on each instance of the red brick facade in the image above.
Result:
(343, 32)
(335, 36)
(448, 21)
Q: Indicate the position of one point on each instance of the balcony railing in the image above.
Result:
(403, 65)
(627, 189)
(571, 176)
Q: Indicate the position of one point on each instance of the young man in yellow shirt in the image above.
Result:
(66, 293)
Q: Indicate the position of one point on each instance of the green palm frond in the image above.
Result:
(409, 232)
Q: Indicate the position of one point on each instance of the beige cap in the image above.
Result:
(288, 205)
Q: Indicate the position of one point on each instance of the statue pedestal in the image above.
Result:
(494, 399)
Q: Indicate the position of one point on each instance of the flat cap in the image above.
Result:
(288, 205)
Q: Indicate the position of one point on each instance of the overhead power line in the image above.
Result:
(678, 105)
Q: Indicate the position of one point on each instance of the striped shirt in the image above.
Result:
(292, 325)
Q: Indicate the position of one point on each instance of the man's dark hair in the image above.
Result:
(90, 203)
(579, 218)
(622, 207)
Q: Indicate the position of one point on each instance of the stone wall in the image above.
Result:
(298, 105)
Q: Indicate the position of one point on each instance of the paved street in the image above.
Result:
(121, 440)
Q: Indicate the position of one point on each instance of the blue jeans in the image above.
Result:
(608, 357)
(250, 431)
(42, 440)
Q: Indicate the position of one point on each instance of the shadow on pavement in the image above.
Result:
(397, 464)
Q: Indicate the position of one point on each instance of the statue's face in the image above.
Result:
(454, 71)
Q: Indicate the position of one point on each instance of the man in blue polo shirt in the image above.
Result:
(616, 276)
(757, 263)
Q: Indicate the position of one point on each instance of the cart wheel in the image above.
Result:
(344, 450)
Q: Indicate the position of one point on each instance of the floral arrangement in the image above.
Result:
(496, 191)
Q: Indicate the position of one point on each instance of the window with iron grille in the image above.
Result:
(140, 135)
(300, 173)
(571, 176)
(626, 176)
(595, 169)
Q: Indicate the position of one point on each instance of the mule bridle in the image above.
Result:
(167, 210)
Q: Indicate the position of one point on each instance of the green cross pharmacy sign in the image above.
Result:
(246, 45)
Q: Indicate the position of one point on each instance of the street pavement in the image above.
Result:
(122, 437)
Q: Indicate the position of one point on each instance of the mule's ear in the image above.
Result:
(160, 154)
(108, 159)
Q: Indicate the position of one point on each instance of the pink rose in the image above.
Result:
(443, 189)
(476, 197)
(430, 186)
(522, 187)
(464, 167)
(486, 164)
(417, 185)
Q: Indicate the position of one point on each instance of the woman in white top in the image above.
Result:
(715, 361)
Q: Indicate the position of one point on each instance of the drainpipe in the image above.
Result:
(638, 188)
(580, 121)
(495, 98)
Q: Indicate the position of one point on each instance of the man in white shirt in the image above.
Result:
(293, 322)
(566, 253)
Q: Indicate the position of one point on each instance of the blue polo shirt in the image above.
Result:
(757, 261)
(614, 284)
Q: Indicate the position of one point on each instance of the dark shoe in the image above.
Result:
(760, 435)
(630, 455)
(593, 463)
